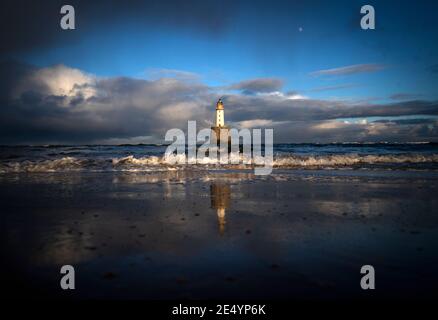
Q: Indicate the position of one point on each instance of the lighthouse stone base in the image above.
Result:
(220, 133)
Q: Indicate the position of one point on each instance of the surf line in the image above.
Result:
(220, 144)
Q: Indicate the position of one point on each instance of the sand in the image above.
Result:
(215, 235)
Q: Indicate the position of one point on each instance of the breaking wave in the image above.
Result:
(157, 163)
(353, 160)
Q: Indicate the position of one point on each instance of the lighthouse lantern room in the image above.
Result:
(220, 121)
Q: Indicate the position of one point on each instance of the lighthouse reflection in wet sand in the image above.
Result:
(220, 200)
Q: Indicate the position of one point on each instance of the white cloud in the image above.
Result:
(330, 125)
(278, 94)
(255, 123)
(59, 80)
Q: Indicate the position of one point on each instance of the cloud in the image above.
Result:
(348, 70)
(171, 73)
(58, 80)
(80, 108)
(260, 85)
(255, 123)
(334, 87)
(59, 104)
(405, 96)
(330, 125)
(27, 25)
(288, 95)
(334, 131)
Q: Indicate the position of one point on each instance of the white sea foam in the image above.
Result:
(155, 163)
(352, 159)
(131, 160)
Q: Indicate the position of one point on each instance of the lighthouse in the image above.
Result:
(220, 120)
(220, 129)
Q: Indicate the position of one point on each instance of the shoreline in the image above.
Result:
(201, 235)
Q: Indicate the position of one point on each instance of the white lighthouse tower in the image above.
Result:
(220, 130)
(220, 120)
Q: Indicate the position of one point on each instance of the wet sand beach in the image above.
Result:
(296, 234)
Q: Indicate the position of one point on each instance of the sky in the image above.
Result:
(130, 72)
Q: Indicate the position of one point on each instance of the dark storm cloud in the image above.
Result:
(59, 104)
(421, 121)
(254, 107)
(404, 96)
(347, 70)
(35, 109)
(27, 24)
(260, 85)
(340, 132)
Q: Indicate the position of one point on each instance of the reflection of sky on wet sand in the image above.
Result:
(224, 234)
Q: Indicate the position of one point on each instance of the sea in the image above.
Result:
(151, 158)
(136, 227)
